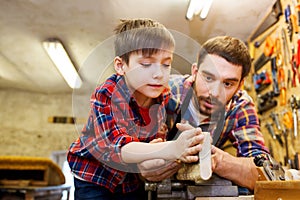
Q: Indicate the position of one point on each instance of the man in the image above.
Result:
(216, 79)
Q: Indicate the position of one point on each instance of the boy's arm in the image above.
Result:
(184, 147)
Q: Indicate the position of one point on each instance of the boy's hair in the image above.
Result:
(145, 35)
(231, 49)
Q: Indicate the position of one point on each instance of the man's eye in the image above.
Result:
(228, 84)
(207, 78)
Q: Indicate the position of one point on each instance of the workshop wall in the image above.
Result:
(273, 86)
(24, 126)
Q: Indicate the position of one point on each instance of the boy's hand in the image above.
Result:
(188, 144)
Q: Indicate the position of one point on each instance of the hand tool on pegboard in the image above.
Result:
(261, 81)
(288, 21)
(274, 76)
(293, 104)
(274, 136)
(288, 125)
(294, 67)
(265, 56)
(298, 59)
(266, 102)
(281, 83)
(275, 118)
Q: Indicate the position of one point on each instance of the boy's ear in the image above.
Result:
(118, 65)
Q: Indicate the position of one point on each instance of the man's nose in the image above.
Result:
(216, 90)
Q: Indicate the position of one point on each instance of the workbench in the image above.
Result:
(247, 197)
(34, 193)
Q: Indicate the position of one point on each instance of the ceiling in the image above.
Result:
(86, 28)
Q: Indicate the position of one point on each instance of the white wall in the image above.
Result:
(24, 126)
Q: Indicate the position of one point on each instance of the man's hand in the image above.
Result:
(157, 169)
(242, 171)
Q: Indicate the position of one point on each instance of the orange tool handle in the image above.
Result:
(269, 46)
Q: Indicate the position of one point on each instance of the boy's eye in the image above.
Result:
(146, 64)
(166, 65)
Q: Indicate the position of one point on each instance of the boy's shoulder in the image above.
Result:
(109, 85)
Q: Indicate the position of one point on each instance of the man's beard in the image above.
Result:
(217, 105)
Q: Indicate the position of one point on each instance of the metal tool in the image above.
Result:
(274, 76)
(293, 104)
(266, 55)
(275, 118)
(273, 170)
(266, 102)
(270, 128)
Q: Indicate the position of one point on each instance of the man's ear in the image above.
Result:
(241, 84)
(118, 65)
(194, 71)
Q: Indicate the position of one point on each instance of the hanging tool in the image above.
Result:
(260, 41)
(270, 128)
(293, 104)
(298, 59)
(275, 118)
(274, 76)
(266, 55)
(294, 67)
(281, 83)
(275, 136)
(288, 123)
(286, 50)
(289, 78)
(266, 102)
(261, 81)
(293, 18)
(288, 21)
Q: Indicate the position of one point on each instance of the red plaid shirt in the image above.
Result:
(114, 121)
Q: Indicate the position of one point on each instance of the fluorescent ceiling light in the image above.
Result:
(198, 7)
(62, 61)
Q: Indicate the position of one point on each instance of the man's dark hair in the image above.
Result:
(231, 49)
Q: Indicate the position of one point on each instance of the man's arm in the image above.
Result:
(240, 170)
(244, 130)
(157, 169)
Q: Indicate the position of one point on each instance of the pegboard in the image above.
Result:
(274, 83)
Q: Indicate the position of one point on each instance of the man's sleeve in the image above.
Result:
(247, 132)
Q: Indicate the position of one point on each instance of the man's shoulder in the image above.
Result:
(242, 96)
(241, 100)
(178, 81)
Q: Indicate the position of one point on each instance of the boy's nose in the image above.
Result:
(157, 71)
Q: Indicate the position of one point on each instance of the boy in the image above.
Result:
(127, 112)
